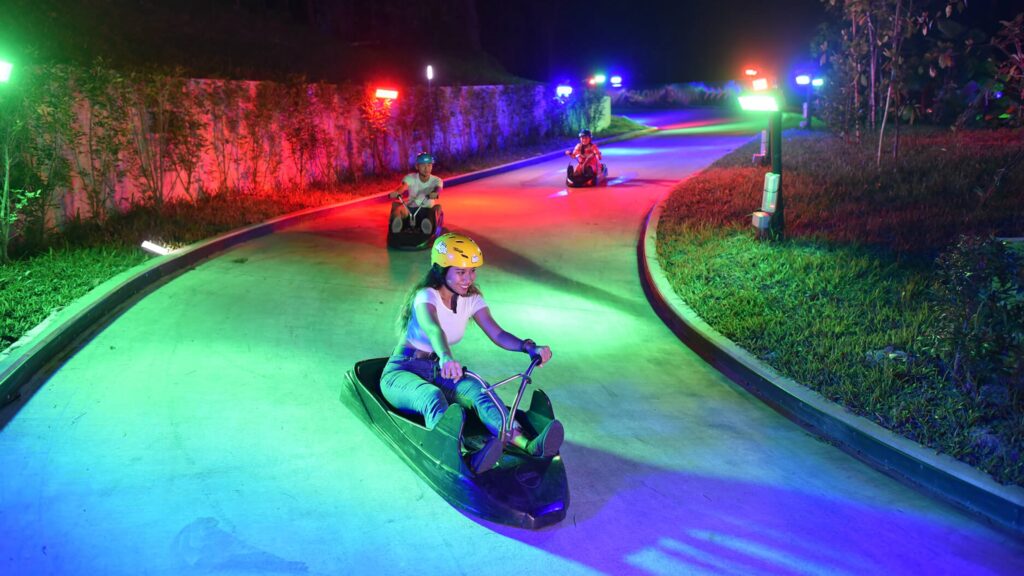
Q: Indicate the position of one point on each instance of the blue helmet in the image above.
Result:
(424, 158)
(585, 133)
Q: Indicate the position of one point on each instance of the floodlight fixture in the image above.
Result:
(600, 78)
(803, 79)
(5, 70)
(616, 81)
(760, 84)
(750, 72)
(430, 72)
(759, 103)
(563, 91)
(386, 94)
(818, 82)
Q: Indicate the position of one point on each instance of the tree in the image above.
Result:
(871, 57)
(13, 112)
(1010, 42)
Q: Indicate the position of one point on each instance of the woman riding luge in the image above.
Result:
(423, 376)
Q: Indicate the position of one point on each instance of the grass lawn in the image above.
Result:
(846, 305)
(84, 256)
(620, 125)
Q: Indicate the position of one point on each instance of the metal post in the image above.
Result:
(778, 221)
(807, 106)
(430, 102)
(430, 97)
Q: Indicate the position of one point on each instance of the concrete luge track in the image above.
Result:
(201, 430)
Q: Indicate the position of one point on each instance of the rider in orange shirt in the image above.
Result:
(587, 155)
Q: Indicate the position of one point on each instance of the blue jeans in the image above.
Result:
(413, 385)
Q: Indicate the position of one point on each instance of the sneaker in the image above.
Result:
(396, 224)
(485, 458)
(547, 443)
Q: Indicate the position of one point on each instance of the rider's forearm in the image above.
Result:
(438, 342)
(508, 341)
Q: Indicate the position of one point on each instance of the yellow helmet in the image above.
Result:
(456, 250)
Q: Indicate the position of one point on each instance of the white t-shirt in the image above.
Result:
(453, 323)
(419, 190)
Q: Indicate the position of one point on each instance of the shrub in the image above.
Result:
(979, 301)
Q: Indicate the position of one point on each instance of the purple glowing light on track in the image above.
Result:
(629, 151)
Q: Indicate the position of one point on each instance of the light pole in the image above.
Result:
(770, 220)
(805, 81)
(777, 224)
(811, 85)
(815, 84)
(430, 99)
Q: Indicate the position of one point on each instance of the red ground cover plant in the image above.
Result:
(945, 184)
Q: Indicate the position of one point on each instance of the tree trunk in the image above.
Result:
(897, 43)
(873, 73)
(896, 129)
(855, 84)
(5, 202)
(881, 131)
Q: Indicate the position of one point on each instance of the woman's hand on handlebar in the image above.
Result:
(531, 348)
(450, 368)
(543, 352)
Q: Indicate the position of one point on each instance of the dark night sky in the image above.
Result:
(648, 41)
(651, 41)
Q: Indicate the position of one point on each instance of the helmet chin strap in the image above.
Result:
(455, 296)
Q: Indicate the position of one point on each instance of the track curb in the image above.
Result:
(936, 474)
